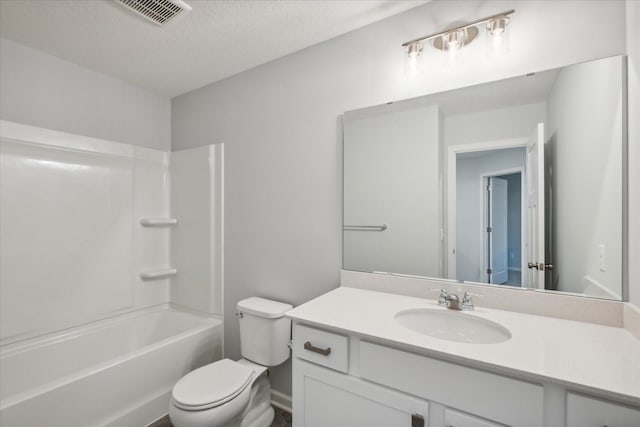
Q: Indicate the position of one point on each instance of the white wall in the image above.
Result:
(72, 247)
(41, 90)
(469, 265)
(505, 123)
(197, 240)
(282, 136)
(584, 126)
(633, 50)
(151, 199)
(391, 176)
(77, 256)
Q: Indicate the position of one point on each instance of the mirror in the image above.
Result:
(517, 182)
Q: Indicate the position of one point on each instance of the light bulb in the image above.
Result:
(413, 61)
(453, 43)
(498, 36)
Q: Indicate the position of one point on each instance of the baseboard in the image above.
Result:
(514, 269)
(281, 400)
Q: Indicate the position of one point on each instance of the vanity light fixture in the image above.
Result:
(454, 39)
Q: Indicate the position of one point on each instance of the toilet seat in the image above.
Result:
(211, 385)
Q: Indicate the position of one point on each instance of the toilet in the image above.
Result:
(237, 393)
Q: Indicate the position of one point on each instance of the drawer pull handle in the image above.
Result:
(323, 351)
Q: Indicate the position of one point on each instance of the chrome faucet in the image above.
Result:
(452, 301)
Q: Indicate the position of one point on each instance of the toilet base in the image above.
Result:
(257, 413)
(264, 420)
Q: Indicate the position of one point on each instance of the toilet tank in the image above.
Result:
(264, 331)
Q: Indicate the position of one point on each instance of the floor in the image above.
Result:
(281, 419)
(514, 279)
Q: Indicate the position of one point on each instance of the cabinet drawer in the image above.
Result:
(491, 396)
(585, 411)
(324, 348)
(459, 419)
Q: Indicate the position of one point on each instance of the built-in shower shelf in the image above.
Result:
(158, 222)
(160, 273)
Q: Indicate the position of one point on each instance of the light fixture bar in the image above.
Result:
(461, 27)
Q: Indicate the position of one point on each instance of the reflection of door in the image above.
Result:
(535, 208)
(498, 261)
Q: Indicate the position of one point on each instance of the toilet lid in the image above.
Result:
(212, 385)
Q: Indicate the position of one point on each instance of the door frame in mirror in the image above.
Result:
(452, 153)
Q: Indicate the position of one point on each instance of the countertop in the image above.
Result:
(586, 357)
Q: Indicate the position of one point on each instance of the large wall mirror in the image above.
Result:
(517, 182)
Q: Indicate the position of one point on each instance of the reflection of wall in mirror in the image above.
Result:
(391, 177)
(584, 132)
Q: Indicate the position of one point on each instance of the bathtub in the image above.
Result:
(115, 372)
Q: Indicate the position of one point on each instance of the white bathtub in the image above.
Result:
(116, 372)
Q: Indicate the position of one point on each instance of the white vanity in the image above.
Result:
(355, 364)
(488, 195)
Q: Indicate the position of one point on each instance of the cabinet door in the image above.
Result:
(325, 398)
(585, 411)
(484, 394)
(459, 419)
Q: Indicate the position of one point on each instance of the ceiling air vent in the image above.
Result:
(158, 11)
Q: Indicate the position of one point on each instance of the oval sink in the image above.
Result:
(453, 326)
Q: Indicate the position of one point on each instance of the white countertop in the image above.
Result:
(587, 357)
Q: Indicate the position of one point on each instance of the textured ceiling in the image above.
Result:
(215, 40)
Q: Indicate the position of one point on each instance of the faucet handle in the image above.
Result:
(467, 302)
(444, 295)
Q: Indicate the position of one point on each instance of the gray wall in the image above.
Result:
(281, 129)
(584, 126)
(41, 90)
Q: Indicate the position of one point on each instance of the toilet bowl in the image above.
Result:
(224, 393)
(237, 393)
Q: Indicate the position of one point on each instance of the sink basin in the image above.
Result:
(453, 326)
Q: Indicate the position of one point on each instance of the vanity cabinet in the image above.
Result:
(342, 381)
(490, 396)
(453, 418)
(335, 399)
(346, 380)
(583, 411)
